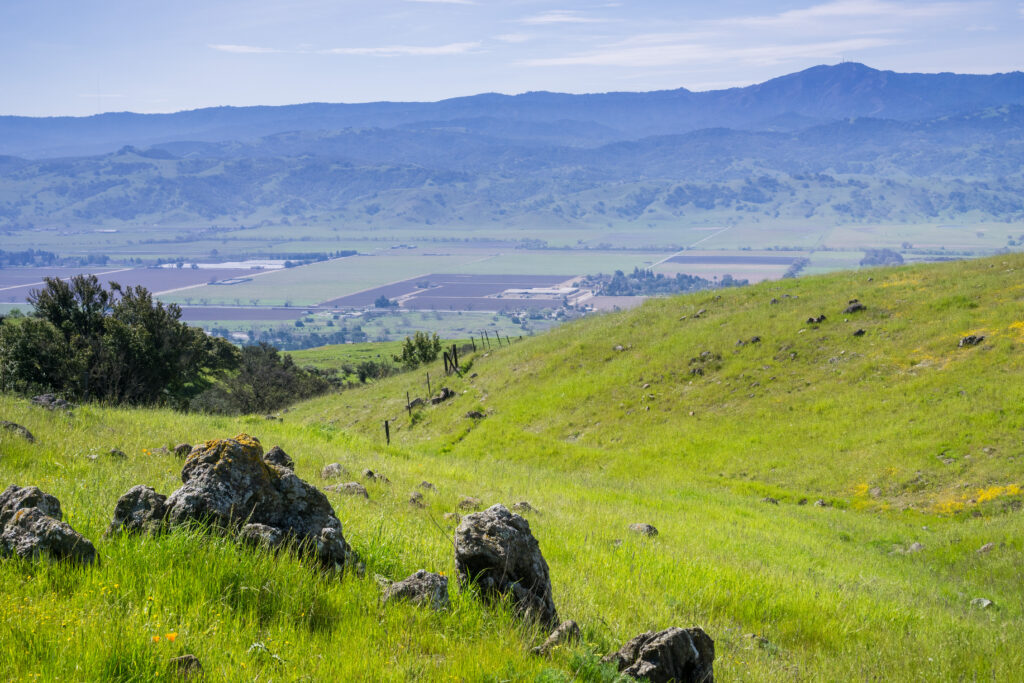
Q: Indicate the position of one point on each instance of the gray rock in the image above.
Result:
(17, 429)
(117, 453)
(140, 510)
(31, 533)
(971, 340)
(475, 415)
(182, 450)
(186, 666)
(523, 506)
(443, 396)
(227, 483)
(52, 402)
(986, 548)
(915, 547)
(770, 500)
(981, 603)
(332, 471)
(415, 403)
(277, 456)
(566, 632)
(675, 654)
(820, 503)
(495, 550)
(416, 499)
(452, 517)
(421, 588)
(352, 488)
(16, 498)
(261, 536)
(643, 529)
(375, 476)
(854, 307)
(427, 486)
(469, 503)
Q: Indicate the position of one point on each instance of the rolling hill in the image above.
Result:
(832, 499)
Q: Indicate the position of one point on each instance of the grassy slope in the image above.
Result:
(909, 437)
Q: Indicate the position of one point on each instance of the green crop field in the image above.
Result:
(912, 444)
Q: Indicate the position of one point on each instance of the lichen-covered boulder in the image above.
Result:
(227, 483)
(352, 488)
(141, 510)
(496, 550)
(16, 498)
(31, 527)
(421, 588)
(675, 654)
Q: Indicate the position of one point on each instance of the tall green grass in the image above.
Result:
(906, 437)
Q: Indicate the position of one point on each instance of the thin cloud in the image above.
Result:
(514, 37)
(245, 49)
(699, 53)
(405, 50)
(560, 16)
(852, 9)
(446, 2)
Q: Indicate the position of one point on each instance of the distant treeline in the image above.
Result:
(39, 258)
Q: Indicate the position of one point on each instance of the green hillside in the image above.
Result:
(911, 443)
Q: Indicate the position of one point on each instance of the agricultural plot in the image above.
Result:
(460, 292)
(156, 280)
(754, 266)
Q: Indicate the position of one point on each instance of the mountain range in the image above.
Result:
(844, 142)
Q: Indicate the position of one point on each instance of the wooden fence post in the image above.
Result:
(408, 404)
(387, 432)
(429, 391)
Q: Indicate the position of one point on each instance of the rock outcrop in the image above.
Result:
(31, 527)
(495, 550)
(566, 632)
(675, 654)
(421, 588)
(15, 428)
(141, 510)
(228, 484)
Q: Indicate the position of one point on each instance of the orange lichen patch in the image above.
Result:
(978, 497)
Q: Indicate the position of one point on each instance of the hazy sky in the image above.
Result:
(80, 57)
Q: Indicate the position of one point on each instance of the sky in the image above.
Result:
(83, 57)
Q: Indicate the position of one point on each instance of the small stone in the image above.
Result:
(187, 666)
(261, 536)
(117, 453)
(332, 471)
(421, 588)
(17, 429)
(986, 548)
(859, 333)
(469, 503)
(566, 632)
(915, 547)
(981, 603)
(452, 517)
(445, 394)
(51, 402)
(770, 500)
(352, 488)
(820, 503)
(802, 501)
(416, 499)
(427, 486)
(523, 506)
(375, 476)
(643, 529)
(182, 450)
(971, 340)
(277, 456)
(475, 415)
(854, 307)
